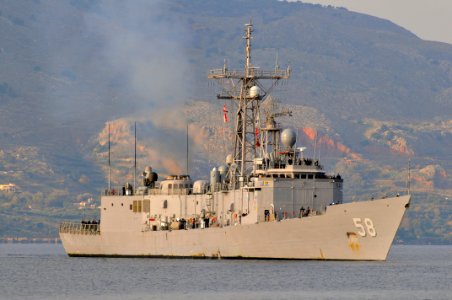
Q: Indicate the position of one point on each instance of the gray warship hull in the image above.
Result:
(351, 231)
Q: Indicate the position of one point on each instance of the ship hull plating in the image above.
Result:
(351, 231)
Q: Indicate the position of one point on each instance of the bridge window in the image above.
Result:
(165, 203)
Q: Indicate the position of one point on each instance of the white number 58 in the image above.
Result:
(368, 224)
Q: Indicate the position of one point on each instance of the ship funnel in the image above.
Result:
(288, 137)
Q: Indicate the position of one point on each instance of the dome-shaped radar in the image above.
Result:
(288, 137)
(255, 91)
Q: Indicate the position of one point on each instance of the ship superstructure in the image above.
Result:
(267, 201)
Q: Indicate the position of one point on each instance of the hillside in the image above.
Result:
(371, 94)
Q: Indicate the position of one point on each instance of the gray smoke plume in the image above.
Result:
(130, 54)
(103, 60)
(146, 49)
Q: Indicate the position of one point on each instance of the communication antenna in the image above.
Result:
(135, 161)
(409, 177)
(187, 151)
(319, 151)
(109, 159)
(315, 143)
(296, 139)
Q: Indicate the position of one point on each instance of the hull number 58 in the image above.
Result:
(365, 226)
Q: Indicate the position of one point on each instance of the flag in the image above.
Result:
(225, 113)
(257, 137)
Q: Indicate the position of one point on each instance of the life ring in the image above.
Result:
(214, 220)
(234, 216)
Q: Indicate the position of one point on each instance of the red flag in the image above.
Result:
(257, 137)
(225, 113)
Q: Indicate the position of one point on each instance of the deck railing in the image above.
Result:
(149, 191)
(79, 228)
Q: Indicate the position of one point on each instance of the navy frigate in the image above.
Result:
(267, 201)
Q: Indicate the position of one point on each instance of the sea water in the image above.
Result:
(43, 271)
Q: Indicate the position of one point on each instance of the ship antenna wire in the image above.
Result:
(187, 150)
(109, 160)
(409, 177)
(135, 161)
(315, 143)
(296, 138)
(318, 155)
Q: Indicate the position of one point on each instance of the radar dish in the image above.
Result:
(288, 137)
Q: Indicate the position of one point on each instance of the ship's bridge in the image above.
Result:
(298, 168)
(291, 172)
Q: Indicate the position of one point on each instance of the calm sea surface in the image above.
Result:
(43, 271)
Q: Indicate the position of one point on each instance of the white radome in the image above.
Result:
(255, 91)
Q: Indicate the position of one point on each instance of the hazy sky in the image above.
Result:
(428, 19)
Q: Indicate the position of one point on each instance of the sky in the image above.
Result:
(428, 19)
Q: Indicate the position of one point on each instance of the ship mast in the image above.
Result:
(248, 93)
